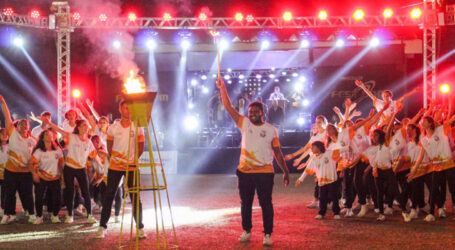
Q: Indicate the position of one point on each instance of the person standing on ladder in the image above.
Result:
(119, 136)
(255, 172)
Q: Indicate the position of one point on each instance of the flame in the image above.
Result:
(133, 84)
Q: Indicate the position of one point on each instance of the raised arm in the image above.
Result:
(416, 118)
(401, 99)
(365, 89)
(6, 113)
(233, 113)
(92, 109)
(89, 117)
(64, 133)
(338, 112)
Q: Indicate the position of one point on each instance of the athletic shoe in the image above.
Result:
(101, 232)
(69, 219)
(8, 219)
(55, 219)
(245, 237)
(363, 210)
(26, 213)
(142, 234)
(80, 211)
(90, 219)
(337, 216)
(349, 213)
(388, 210)
(2, 212)
(414, 213)
(442, 213)
(406, 217)
(319, 217)
(267, 240)
(38, 220)
(313, 205)
(426, 208)
(32, 219)
(376, 210)
(357, 206)
(117, 219)
(396, 203)
(381, 217)
(429, 218)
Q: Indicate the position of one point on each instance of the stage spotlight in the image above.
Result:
(249, 18)
(288, 80)
(287, 16)
(265, 44)
(205, 90)
(271, 76)
(214, 75)
(203, 17)
(339, 43)
(167, 16)
(241, 76)
(238, 17)
(224, 44)
(323, 15)
(132, 16)
(116, 44)
(298, 87)
(76, 93)
(194, 82)
(305, 43)
(190, 105)
(185, 44)
(416, 13)
(103, 17)
(35, 14)
(229, 70)
(295, 74)
(375, 42)
(300, 121)
(227, 77)
(229, 82)
(358, 14)
(8, 11)
(151, 44)
(305, 102)
(302, 79)
(258, 76)
(191, 123)
(204, 77)
(388, 13)
(284, 73)
(276, 80)
(444, 88)
(18, 42)
(76, 16)
(273, 69)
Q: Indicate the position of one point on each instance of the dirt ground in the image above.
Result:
(206, 212)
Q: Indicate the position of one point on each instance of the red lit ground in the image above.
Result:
(207, 216)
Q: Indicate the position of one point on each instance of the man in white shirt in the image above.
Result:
(36, 131)
(277, 95)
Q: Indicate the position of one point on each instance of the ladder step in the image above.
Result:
(149, 164)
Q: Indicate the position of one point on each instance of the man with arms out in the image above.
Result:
(255, 172)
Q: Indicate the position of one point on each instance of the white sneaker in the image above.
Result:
(26, 213)
(337, 216)
(396, 203)
(80, 210)
(8, 219)
(388, 210)
(101, 232)
(363, 210)
(90, 219)
(267, 240)
(349, 213)
(32, 219)
(429, 218)
(38, 220)
(406, 217)
(442, 213)
(55, 219)
(117, 219)
(376, 210)
(319, 217)
(381, 217)
(313, 205)
(142, 234)
(414, 214)
(245, 237)
(69, 219)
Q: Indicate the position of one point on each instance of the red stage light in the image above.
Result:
(76, 16)
(167, 16)
(388, 13)
(103, 17)
(287, 16)
(132, 16)
(323, 15)
(76, 93)
(8, 11)
(249, 18)
(416, 13)
(35, 14)
(238, 17)
(444, 88)
(358, 14)
(203, 17)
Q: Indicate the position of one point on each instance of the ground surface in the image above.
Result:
(207, 216)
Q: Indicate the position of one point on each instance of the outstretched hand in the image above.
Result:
(89, 102)
(358, 83)
(288, 157)
(286, 179)
(219, 82)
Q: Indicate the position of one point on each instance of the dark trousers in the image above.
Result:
(316, 191)
(23, 183)
(359, 182)
(2, 195)
(385, 186)
(449, 178)
(434, 181)
(329, 193)
(405, 188)
(370, 183)
(100, 194)
(81, 175)
(54, 189)
(348, 179)
(113, 180)
(263, 185)
(418, 192)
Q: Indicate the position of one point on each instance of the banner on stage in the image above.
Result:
(169, 159)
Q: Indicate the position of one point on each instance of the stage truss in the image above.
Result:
(62, 23)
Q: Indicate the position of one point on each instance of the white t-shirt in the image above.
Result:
(102, 135)
(36, 131)
(325, 167)
(379, 156)
(398, 145)
(67, 127)
(413, 153)
(379, 104)
(79, 151)
(438, 148)
(47, 163)
(20, 151)
(361, 140)
(122, 137)
(257, 146)
(4, 154)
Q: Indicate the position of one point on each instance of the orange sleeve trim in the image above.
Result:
(336, 155)
(34, 160)
(447, 127)
(275, 142)
(10, 130)
(92, 154)
(240, 122)
(140, 138)
(109, 138)
(351, 133)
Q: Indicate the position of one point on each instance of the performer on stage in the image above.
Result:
(36, 131)
(255, 172)
(277, 95)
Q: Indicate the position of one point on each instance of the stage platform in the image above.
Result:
(207, 216)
